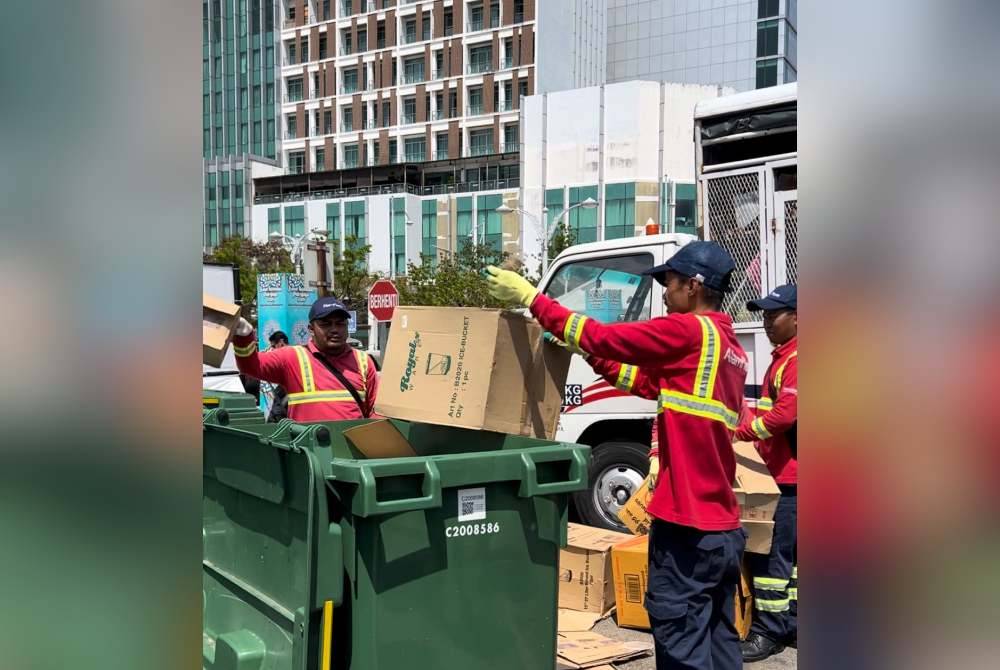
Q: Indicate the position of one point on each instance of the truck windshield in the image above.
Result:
(607, 289)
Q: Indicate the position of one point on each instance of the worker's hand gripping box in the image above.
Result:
(585, 581)
(755, 490)
(630, 565)
(473, 368)
(218, 321)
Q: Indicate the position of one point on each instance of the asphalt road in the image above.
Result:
(786, 660)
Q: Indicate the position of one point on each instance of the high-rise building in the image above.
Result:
(239, 113)
(390, 110)
(743, 44)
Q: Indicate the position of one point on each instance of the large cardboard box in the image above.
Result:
(218, 321)
(585, 580)
(473, 368)
(630, 565)
(755, 489)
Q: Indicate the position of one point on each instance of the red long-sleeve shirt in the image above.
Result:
(695, 368)
(314, 393)
(772, 426)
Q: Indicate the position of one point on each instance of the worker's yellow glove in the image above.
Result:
(654, 471)
(510, 287)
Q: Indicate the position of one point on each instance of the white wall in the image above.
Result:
(570, 44)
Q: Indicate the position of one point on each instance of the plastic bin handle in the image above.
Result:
(529, 472)
(369, 473)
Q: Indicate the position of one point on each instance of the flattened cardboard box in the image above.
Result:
(473, 368)
(630, 562)
(755, 489)
(218, 321)
(585, 580)
(592, 650)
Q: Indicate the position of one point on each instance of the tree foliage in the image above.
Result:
(563, 237)
(252, 258)
(351, 278)
(455, 280)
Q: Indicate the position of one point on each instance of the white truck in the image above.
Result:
(745, 157)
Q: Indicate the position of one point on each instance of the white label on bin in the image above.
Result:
(471, 504)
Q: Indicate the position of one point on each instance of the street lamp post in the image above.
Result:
(589, 203)
(296, 244)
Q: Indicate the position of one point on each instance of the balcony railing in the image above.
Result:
(507, 106)
(438, 115)
(385, 189)
(507, 63)
(350, 162)
(413, 77)
(409, 118)
(511, 147)
(481, 150)
(346, 51)
(474, 110)
(409, 38)
(347, 127)
(294, 97)
(291, 135)
(519, 17)
(415, 157)
(370, 124)
(479, 67)
(348, 89)
(475, 24)
(442, 154)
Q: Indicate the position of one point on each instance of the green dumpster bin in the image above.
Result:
(317, 558)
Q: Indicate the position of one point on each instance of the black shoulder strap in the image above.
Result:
(343, 380)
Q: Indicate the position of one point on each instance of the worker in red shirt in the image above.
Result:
(772, 428)
(691, 362)
(326, 379)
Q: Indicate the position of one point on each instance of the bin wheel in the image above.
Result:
(617, 470)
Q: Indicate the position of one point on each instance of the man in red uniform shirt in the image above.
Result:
(692, 364)
(772, 427)
(326, 380)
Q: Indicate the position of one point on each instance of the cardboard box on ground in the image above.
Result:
(756, 492)
(218, 321)
(585, 579)
(476, 368)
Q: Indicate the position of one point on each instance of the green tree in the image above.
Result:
(455, 280)
(351, 279)
(251, 258)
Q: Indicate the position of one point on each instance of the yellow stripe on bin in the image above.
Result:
(327, 635)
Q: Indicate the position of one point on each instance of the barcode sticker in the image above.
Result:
(633, 589)
(471, 504)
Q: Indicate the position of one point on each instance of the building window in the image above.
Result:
(415, 148)
(480, 59)
(291, 122)
(463, 227)
(494, 15)
(442, 146)
(386, 114)
(518, 11)
(362, 40)
(296, 162)
(333, 222)
(488, 221)
(393, 154)
(684, 208)
(481, 142)
(326, 10)
(346, 120)
(426, 27)
(399, 236)
(428, 225)
(475, 101)
(522, 89)
(767, 38)
(350, 155)
(380, 35)
(413, 70)
(320, 159)
(476, 17)
(767, 8)
(583, 221)
(322, 46)
(295, 221)
(290, 46)
(350, 81)
(410, 30)
(449, 22)
(619, 211)
(354, 224)
(409, 110)
(452, 104)
(345, 41)
(510, 140)
(767, 73)
(555, 202)
(295, 89)
(327, 122)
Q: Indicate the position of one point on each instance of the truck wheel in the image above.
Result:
(617, 470)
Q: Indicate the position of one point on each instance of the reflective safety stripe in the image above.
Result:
(243, 352)
(793, 593)
(757, 426)
(770, 583)
(795, 572)
(771, 605)
(573, 330)
(765, 404)
(708, 363)
(305, 370)
(362, 366)
(321, 396)
(781, 370)
(626, 377)
(706, 408)
(327, 621)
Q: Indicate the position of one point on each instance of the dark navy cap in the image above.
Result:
(707, 262)
(327, 306)
(783, 297)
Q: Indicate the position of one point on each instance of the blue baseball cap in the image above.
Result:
(705, 261)
(783, 297)
(327, 306)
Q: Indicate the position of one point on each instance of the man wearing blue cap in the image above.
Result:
(326, 380)
(773, 429)
(691, 362)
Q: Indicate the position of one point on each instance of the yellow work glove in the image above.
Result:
(654, 471)
(510, 287)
